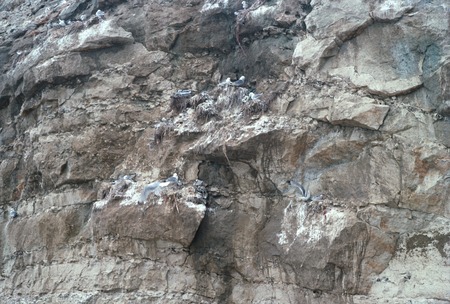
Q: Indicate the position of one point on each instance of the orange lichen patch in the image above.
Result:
(34, 33)
(45, 19)
(298, 149)
(17, 192)
(421, 166)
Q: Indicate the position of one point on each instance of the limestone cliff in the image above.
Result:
(96, 110)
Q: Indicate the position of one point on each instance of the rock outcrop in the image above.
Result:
(354, 106)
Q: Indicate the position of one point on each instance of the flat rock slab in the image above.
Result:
(377, 83)
(55, 69)
(309, 51)
(387, 88)
(102, 35)
(364, 115)
(173, 220)
(327, 18)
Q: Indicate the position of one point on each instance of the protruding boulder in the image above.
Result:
(54, 70)
(102, 35)
(365, 115)
(174, 220)
(310, 51)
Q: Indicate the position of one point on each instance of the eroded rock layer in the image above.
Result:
(349, 98)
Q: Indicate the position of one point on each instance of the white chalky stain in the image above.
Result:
(209, 5)
(298, 223)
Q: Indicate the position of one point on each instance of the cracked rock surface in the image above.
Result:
(95, 112)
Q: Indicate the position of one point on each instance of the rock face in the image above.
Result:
(95, 112)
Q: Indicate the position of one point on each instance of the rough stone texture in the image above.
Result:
(361, 112)
(355, 106)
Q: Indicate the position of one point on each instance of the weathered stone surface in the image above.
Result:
(443, 80)
(57, 69)
(311, 51)
(336, 24)
(430, 183)
(102, 35)
(395, 220)
(379, 86)
(391, 11)
(362, 113)
(444, 108)
(409, 274)
(81, 195)
(440, 129)
(177, 223)
(353, 181)
(353, 107)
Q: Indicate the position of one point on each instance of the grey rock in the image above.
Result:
(102, 35)
(354, 105)
(364, 115)
(444, 108)
(69, 11)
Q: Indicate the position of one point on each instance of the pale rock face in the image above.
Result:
(214, 5)
(310, 52)
(102, 35)
(354, 106)
(361, 112)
